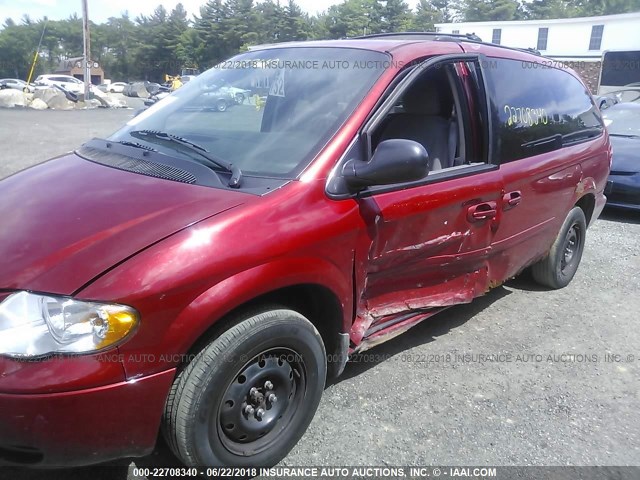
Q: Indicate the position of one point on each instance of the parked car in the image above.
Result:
(203, 274)
(16, 84)
(217, 99)
(623, 187)
(221, 99)
(239, 95)
(116, 87)
(66, 82)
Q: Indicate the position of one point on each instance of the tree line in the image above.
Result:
(148, 46)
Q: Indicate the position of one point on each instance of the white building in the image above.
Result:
(563, 39)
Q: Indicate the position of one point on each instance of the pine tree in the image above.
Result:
(425, 17)
(240, 26)
(354, 17)
(211, 27)
(485, 10)
(544, 9)
(121, 42)
(447, 9)
(271, 21)
(395, 16)
(296, 26)
(588, 8)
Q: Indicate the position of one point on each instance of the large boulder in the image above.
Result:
(10, 98)
(60, 102)
(87, 104)
(46, 94)
(55, 98)
(97, 93)
(139, 89)
(38, 104)
(109, 101)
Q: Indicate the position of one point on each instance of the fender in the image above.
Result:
(163, 343)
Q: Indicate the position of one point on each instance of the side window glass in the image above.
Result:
(539, 108)
(429, 113)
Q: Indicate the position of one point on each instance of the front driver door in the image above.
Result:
(429, 242)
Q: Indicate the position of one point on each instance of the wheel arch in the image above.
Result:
(316, 302)
(314, 288)
(588, 204)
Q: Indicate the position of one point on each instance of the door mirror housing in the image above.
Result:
(394, 161)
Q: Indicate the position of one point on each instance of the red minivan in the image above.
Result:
(201, 273)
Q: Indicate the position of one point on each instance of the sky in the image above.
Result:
(100, 10)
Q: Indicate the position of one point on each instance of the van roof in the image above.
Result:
(405, 44)
(394, 42)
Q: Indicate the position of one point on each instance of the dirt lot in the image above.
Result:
(555, 396)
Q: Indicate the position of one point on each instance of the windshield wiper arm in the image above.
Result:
(236, 173)
(624, 135)
(137, 145)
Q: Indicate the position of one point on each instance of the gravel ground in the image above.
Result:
(554, 397)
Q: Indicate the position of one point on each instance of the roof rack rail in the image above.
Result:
(535, 51)
(441, 36)
(410, 35)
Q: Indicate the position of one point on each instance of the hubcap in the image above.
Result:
(261, 399)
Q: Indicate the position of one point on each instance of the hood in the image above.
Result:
(66, 221)
(626, 154)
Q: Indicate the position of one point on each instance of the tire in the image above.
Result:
(558, 268)
(207, 421)
(239, 98)
(221, 106)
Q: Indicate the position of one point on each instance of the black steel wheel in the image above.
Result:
(249, 395)
(262, 400)
(557, 269)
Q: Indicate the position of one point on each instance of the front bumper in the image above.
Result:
(83, 427)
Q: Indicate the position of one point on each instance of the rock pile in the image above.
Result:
(55, 99)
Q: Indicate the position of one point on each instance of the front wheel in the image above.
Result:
(221, 105)
(558, 268)
(248, 396)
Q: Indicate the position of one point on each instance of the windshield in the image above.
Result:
(266, 112)
(623, 120)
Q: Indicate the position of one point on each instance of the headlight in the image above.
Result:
(36, 325)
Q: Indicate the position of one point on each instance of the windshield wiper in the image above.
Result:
(137, 145)
(624, 135)
(191, 147)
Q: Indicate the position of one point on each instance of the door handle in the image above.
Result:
(482, 211)
(511, 200)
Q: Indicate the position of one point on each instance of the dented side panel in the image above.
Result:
(420, 250)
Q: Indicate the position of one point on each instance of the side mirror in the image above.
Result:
(394, 161)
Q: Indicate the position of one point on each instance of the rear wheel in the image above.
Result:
(248, 396)
(558, 268)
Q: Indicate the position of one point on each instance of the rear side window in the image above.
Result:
(539, 108)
